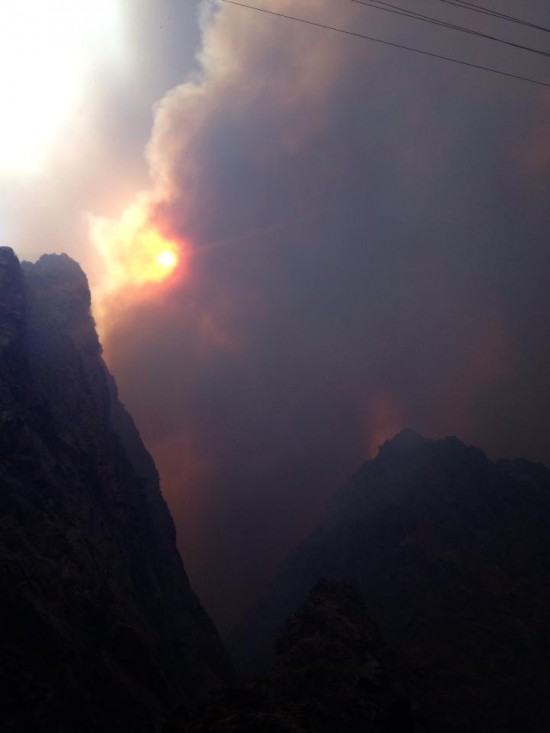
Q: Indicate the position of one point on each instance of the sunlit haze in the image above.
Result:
(46, 49)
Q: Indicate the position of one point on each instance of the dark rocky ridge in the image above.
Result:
(99, 627)
(333, 674)
(451, 553)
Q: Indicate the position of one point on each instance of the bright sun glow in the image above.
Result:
(46, 49)
(134, 251)
(167, 259)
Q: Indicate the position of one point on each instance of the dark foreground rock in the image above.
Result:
(99, 627)
(452, 553)
(333, 674)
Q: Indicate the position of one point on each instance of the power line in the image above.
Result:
(389, 43)
(495, 14)
(399, 10)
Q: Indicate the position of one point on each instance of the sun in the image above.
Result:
(167, 259)
(135, 251)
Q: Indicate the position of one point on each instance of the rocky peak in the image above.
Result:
(59, 303)
(405, 442)
(12, 300)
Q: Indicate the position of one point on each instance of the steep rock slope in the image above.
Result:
(452, 555)
(99, 627)
(333, 673)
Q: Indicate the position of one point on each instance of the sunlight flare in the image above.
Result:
(46, 51)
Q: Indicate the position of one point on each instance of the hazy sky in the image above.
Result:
(363, 237)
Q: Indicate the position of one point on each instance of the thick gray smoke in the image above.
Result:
(368, 248)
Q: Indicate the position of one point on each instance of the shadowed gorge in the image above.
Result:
(100, 629)
(333, 673)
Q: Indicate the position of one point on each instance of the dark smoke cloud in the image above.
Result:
(369, 249)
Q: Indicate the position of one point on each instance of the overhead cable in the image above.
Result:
(399, 10)
(495, 14)
(373, 39)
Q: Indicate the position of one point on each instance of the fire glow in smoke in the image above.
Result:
(138, 260)
(135, 252)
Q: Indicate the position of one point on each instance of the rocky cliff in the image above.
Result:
(333, 674)
(99, 627)
(451, 553)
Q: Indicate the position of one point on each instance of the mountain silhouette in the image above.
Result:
(451, 554)
(99, 627)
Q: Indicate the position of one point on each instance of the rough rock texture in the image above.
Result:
(99, 628)
(452, 555)
(333, 674)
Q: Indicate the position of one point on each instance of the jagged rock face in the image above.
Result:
(451, 553)
(333, 673)
(99, 628)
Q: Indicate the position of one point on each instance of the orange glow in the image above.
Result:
(134, 251)
(383, 422)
